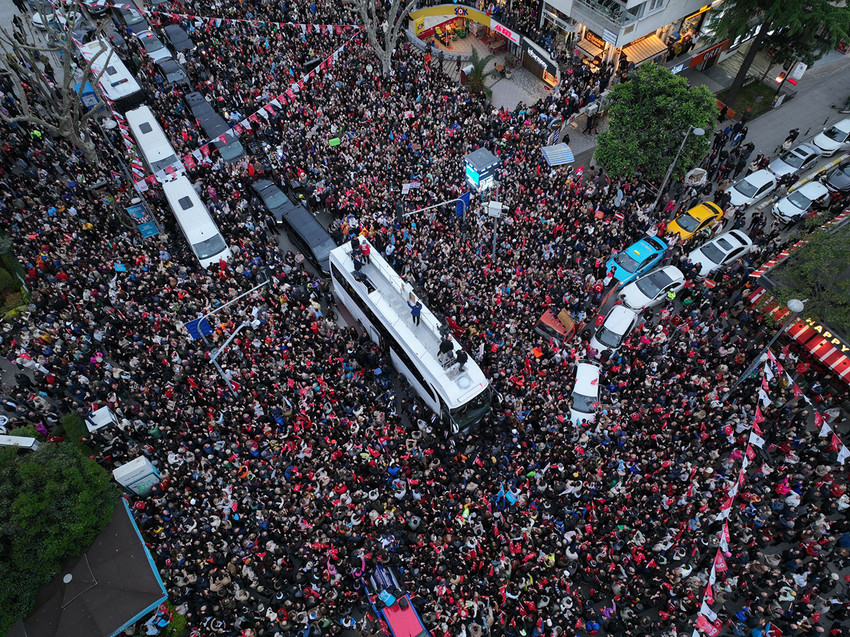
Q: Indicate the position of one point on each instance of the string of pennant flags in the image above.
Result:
(707, 620)
(202, 154)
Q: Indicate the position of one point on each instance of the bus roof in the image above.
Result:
(116, 82)
(390, 298)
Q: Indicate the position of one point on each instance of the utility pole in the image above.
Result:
(494, 209)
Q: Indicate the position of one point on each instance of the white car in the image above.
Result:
(614, 329)
(752, 188)
(652, 289)
(720, 251)
(153, 46)
(585, 394)
(796, 205)
(834, 138)
(57, 20)
(795, 161)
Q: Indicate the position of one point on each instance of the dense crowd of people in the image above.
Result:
(274, 501)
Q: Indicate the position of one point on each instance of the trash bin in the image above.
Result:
(466, 70)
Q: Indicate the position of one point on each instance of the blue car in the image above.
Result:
(636, 260)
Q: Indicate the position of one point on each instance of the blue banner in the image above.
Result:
(143, 220)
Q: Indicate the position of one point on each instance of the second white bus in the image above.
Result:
(195, 222)
(117, 83)
(151, 141)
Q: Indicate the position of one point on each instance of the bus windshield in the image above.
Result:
(473, 410)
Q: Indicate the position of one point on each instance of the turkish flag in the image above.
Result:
(772, 631)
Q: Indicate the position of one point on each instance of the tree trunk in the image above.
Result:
(738, 82)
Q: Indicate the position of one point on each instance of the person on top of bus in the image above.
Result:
(415, 311)
(461, 359)
(365, 251)
(358, 264)
(446, 346)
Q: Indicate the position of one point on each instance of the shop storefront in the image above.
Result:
(538, 63)
(500, 33)
(593, 47)
(649, 48)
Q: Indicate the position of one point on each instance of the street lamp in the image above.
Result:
(795, 306)
(699, 132)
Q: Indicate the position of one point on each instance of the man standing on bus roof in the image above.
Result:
(415, 311)
(461, 359)
(446, 346)
(365, 251)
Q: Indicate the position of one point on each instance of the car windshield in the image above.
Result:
(132, 17)
(607, 337)
(799, 200)
(687, 223)
(653, 284)
(472, 410)
(835, 134)
(231, 151)
(211, 247)
(152, 44)
(626, 262)
(584, 403)
(792, 159)
(746, 188)
(275, 198)
(712, 253)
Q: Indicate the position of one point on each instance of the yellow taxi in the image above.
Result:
(697, 218)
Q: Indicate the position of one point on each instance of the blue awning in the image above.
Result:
(558, 154)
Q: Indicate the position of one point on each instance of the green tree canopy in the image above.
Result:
(53, 503)
(801, 30)
(649, 115)
(819, 271)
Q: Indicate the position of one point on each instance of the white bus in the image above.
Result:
(378, 298)
(151, 141)
(117, 83)
(196, 222)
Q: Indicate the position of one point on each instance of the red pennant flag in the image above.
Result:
(189, 161)
(709, 595)
(720, 562)
(205, 150)
(238, 129)
(253, 117)
(835, 445)
(764, 384)
(707, 627)
(269, 108)
(751, 454)
(797, 392)
(757, 420)
(818, 419)
(223, 139)
(291, 94)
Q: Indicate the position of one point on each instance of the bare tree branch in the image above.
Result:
(383, 27)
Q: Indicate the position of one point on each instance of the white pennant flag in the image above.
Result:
(745, 463)
(843, 455)
(825, 431)
(705, 609)
(768, 372)
(733, 491)
(756, 440)
(712, 577)
(764, 398)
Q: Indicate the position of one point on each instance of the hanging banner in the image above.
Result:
(143, 219)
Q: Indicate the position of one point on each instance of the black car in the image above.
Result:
(130, 19)
(172, 72)
(214, 126)
(274, 199)
(838, 179)
(177, 39)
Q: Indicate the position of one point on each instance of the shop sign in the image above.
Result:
(829, 336)
(458, 11)
(695, 14)
(594, 39)
(709, 54)
(504, 31)
(532, 52)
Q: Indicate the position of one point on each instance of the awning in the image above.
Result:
(558, 154)
(819, 347)
(590, 48)
(644, 49)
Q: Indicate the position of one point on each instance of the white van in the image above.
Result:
(151, 141)
(196, 222)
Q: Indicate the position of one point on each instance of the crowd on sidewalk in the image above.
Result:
(272, 503)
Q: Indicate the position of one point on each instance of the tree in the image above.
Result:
(53, 503)
(649, 115)
(48, 103)
(802, 30)
(819, 272)
(476, 78)
(383, 25)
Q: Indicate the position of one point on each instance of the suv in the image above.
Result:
(130, 19)
(213, 126)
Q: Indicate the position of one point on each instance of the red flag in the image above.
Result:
(707, 627)
(720, 562)
(709, 595)
(764, 384)
(751, 454)
(818, 418)
(757, 420)
(835, 445)
(797, 392)
(189, 161)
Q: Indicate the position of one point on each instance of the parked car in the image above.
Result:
(172, 73)
(798, 204)
(834, 138)
(752, 188)
(838, 179)
(614, 330)
(651, 290)
(153, 46)
(697, 218)
(274, 199)
(585, 394)
(637, 259)
(96, 7)
(130, 19)
(795, 161)
(213, 126)
(721, 251)
(57, 19)
(177, 38)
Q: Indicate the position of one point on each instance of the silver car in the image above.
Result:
(795, 161)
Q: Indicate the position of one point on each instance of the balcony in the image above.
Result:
(599, 15)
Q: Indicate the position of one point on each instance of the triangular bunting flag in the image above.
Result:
(758, 419)
(843, 455)
(835, 444)
(756, 440)
(720, 562)
(825, 430)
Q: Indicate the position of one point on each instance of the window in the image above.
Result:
(638, 11)
(654, 5)
(145, 127)
(185, 202)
